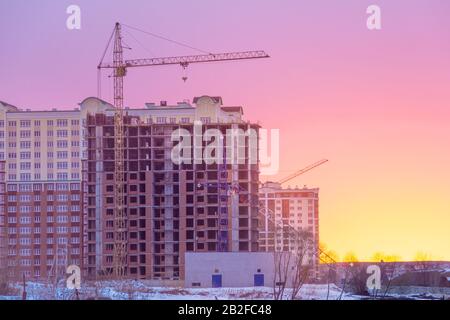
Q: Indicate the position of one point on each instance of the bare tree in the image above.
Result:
(390, 272)
(302, 249)
(292, 267)
(282, 261)
(329, 258)
(4, 283)
(421, 260)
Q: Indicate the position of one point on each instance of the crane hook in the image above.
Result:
(184, 65)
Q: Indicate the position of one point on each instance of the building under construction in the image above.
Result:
(170, 208)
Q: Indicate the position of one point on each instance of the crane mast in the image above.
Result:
(120, 234)
(119, 67)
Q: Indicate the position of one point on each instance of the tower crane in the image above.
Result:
(120, 67)
(302, 171)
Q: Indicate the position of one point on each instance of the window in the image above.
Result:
(75, 186)
(61, 154)
(25, 144)
(62, 187)
(62, 176)
(61, 133)
(62, 197)
(75, 197)
(75, 165)
(61, 143)
(161, 120)
(25, 123)
(61, 165)
(205, 120)
(25, 176)
(25, 187)
(75, 176)
(61, 123)
(25, 166)
(25, 133)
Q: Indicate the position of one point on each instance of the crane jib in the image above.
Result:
(184, 60)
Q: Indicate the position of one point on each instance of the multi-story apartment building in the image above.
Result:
(171, 207)
(285, 210)
(41, 200)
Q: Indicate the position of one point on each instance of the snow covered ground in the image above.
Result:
(139, 290)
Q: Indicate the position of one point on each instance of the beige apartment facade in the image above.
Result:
(41, 196)
(287, 215)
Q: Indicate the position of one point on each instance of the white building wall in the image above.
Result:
(237, 268)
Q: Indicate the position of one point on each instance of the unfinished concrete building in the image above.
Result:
(170, 208)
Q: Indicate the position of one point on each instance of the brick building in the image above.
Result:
(41, 202)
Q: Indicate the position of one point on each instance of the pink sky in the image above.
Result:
(375, 103)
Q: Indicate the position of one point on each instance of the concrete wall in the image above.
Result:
(237, 268)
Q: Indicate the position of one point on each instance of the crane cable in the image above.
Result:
(99, 70)
(167, 39)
